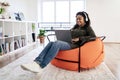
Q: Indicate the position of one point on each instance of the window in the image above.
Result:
(59, 10)
(48, 11)
(62, 11)
(75, 7)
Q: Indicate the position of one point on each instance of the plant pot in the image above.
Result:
(42, 39)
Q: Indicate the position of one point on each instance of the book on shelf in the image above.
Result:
(23, 41)
(2, 49)
(1, 52)
(1, 32)
(16, 45)
(19, 43)
(7, 47)
(12, 46)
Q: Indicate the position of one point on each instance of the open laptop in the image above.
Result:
(63, 35)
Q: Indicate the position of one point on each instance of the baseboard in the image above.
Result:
(111, 42)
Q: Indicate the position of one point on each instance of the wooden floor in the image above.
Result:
(112, 58)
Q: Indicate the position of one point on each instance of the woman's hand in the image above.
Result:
(75, 40)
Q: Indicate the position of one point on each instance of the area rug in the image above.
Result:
(13, 71)
(101, 72)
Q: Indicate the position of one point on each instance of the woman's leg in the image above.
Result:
(53, 50)
(46, 56)
(39, 59)
(35, 66)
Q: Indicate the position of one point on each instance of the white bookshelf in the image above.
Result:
(15, 35)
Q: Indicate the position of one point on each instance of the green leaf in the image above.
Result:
(41, 32)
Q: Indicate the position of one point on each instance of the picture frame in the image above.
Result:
(19, 16)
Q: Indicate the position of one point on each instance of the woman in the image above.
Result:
(81, 33)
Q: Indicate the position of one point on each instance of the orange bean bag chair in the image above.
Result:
(87, 56)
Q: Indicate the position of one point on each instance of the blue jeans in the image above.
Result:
(50, 51)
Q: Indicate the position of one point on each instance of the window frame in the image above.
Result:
(40, 19)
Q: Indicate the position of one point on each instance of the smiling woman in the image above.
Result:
(52, 48)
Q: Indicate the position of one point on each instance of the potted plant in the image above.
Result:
(1, 12)
(41, 35)
(3, 9)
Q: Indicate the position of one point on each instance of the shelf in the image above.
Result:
(14, 35)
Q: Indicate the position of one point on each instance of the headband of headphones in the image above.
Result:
(85, 16)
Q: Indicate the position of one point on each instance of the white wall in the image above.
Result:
(105, 18)
(28, 7)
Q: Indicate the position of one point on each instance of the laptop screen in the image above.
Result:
(63, 35)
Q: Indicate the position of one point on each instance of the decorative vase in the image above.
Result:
(5, 14)
(33, 37)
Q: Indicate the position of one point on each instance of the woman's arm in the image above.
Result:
(90, 35)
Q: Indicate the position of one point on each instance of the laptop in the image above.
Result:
(63, 35)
